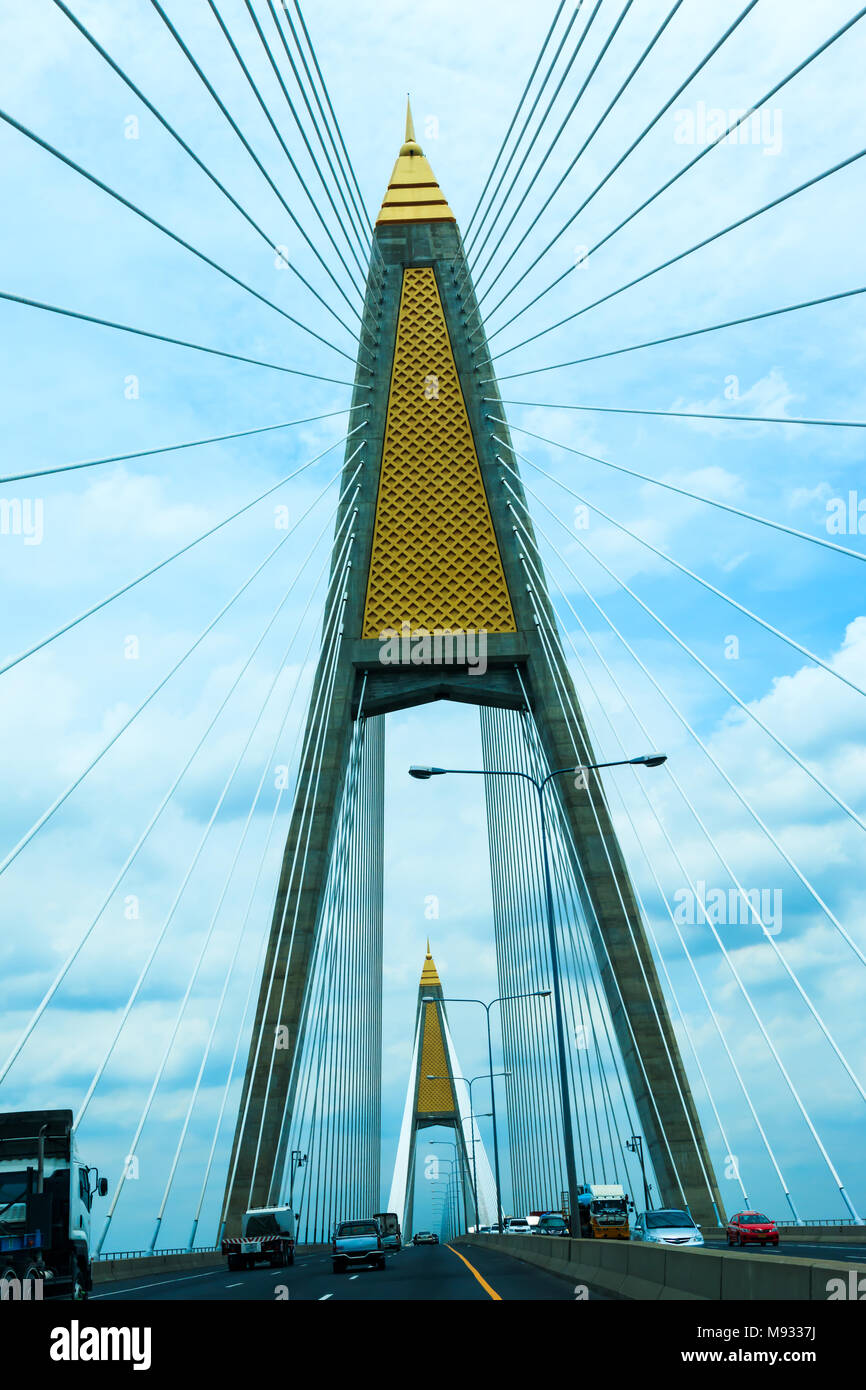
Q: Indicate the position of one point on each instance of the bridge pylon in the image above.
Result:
(437, 560)
(438, 1095)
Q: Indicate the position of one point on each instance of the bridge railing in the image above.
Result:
(162, 1250)
(824, 1221)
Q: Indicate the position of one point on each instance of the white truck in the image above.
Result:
(46, 1196)
(603, 1210)
(267, 1233)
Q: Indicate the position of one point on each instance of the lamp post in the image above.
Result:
(501, 999)
(485, 1115)
(457, 1173)
(635, 1146)
(424, 774)
(297, 1159)
(442, 1208)
(453, 1204)
(470, 1083)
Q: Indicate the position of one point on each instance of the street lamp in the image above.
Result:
(502, 999)
(453, 1203)
(485, 1115)
(297, 1159)
(441, 1210)
(635, 1146)
(424, 774)
(459, 1180)
(472, 1117)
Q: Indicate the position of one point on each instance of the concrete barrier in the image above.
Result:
(639, 1270)
(110, 1271)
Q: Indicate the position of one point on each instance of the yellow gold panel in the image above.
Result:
(434, 1097)
(413, 195)
(429, 973)
(435, 561)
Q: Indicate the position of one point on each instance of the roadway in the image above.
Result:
(418, 1273)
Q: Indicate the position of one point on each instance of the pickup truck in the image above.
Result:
(358, 1243)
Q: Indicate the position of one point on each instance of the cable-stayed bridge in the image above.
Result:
(653, 601)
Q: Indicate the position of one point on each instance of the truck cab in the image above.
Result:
(46, 1201)
(604, 1209)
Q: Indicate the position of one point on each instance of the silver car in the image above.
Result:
(669, 1227)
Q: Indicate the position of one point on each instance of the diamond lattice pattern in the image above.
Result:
(434, 1097)
(435, 561)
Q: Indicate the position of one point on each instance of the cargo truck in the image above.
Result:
(46, 1198)
(267, 1233)
(604, 1209)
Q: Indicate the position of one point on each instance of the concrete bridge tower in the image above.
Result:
(435, 548)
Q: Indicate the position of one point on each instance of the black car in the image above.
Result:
(551, 1223)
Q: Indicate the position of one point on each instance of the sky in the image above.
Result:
(74, 391)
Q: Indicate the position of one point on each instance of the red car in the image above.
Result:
(752, 1226)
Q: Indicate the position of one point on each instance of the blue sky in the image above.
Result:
(68, 396)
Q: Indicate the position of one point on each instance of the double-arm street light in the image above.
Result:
(635, 1146)
(452, 1202)
(502, 999)
(472, 1117)
(297, 1159)
(459, 1177)
(540, 784)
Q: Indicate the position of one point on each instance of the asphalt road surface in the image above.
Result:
(424, 1272)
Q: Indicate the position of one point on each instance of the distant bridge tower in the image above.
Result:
(436, 547)
(438, 1095)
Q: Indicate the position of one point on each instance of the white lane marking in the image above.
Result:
(233, 1286)
(209, 1274)
(324, 1296)
(353, 1276)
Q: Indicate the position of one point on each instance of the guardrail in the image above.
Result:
(148, 1254)
(824, 1221)
(115, 1266)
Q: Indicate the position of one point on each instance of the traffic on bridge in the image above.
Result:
(431, 864)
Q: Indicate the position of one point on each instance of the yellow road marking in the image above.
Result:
(472, 1270)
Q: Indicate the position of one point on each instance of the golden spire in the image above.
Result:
(429, 975)
(413, 195)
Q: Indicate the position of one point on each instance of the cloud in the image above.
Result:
(65, 400)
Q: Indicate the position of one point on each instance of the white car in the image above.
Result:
(517, 1226)
(668, 1227)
